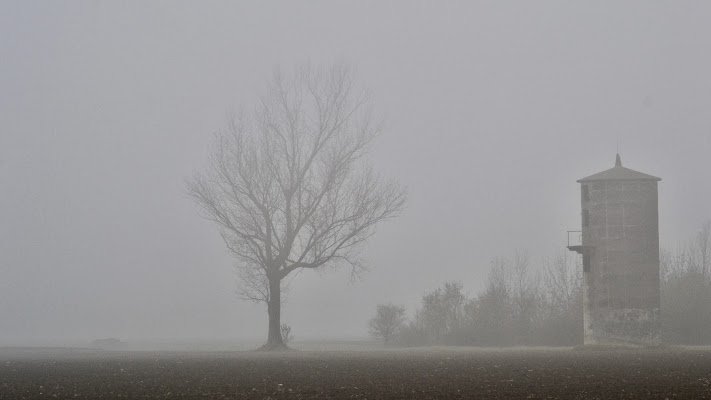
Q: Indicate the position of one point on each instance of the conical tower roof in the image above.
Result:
(619, 173)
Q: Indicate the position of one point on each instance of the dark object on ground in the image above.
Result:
(422, 373)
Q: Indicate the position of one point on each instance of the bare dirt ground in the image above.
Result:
(387, 374)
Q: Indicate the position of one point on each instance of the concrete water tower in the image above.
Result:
(620, 248)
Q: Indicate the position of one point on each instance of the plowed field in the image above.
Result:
(392, 374)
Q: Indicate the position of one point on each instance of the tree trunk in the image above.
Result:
(274, 340)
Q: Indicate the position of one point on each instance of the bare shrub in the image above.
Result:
(286, 335)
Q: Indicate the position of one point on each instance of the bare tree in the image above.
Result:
(489, 316)
(561, 317)
(387, 322)
(441, 314)
(286, 335)
(526, 296)
(701, 249)
(562, 283)
(686, 290)
(289, 187)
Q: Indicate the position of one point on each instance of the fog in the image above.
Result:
(493, 111)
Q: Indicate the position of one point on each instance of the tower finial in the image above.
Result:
(618, 161)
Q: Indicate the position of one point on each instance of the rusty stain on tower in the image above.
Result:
(620, 249)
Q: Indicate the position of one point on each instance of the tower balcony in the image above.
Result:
(575, 243)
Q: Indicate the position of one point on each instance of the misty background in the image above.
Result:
(493, 111)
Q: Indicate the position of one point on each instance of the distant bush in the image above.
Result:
(411, 335)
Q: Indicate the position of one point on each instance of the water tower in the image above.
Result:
(620, 248)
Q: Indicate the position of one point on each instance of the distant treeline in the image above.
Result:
(523, 307)
(686, 290)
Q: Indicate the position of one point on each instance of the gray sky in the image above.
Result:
(494, 110)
